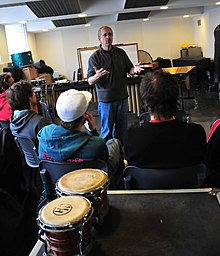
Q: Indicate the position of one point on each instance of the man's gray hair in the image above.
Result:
(99, 31)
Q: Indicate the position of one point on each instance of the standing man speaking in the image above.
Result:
(107, 69)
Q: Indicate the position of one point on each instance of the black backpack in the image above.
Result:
(11, 176)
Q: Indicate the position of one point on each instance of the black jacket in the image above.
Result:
(169, 144)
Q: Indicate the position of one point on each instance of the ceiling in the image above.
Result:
(60, 14)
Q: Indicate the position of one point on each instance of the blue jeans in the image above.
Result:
(114, 120)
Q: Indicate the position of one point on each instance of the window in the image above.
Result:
(16, 38)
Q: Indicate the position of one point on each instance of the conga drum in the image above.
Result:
(66, 226)
(89, 183)
(34, 82)
(38, 93)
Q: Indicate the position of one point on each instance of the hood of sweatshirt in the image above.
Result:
(20, 119)
(59, 144)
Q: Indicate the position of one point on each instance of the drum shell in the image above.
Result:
(67, 243)
(68, 240)
(38, 93)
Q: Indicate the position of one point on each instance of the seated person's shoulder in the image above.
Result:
(42, 121)
(136, 130)
(98, 143)
(133, 127)
(195, 126)
(49, 126)
(97, 139)
(193, 130)
(46, 129)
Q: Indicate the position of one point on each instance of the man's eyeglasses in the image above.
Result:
(107, 34)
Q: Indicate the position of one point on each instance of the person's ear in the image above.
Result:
(84, 118)
(4, 82)
(33, 100)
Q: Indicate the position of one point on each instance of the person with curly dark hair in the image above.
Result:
(164, 141)
(24, 121)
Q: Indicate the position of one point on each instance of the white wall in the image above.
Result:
(200, 31)
(213, 21)
(204, 34)
(164, 39)
(160, 39)
(32, 45)
(51, 49)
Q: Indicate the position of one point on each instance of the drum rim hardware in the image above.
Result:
(88, 191)
(78, 228)
(70, 226)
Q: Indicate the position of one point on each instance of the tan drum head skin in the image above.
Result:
(82, 181)
(64, 211)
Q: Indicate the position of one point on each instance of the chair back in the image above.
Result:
(28, 150)
(11, 169)
(181, 115)
(176, 178)
(5, 124)
(46, 111)
(51, 171)
(144, 56)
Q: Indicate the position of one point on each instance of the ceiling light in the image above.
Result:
(217, 3)
(87, 25)
(146, 19)
(81, 15)
(186, 16)
(164, 7)
(23, 22)
(45, 30)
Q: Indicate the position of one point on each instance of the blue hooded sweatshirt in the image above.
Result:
(59, 144)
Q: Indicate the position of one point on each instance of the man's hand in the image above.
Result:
(101, 72)
(138, 68)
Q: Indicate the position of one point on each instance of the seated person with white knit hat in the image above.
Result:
(66, 142)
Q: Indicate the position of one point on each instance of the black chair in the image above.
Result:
(28, 150)
(46, 111)
(177, 178)
(163, 63)
(11, 165)
(181, 115)
(5, 124)
(31, 173)
(51, 171)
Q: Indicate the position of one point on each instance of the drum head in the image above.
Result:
(82, 181)
(64, 211)
(36, 89)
